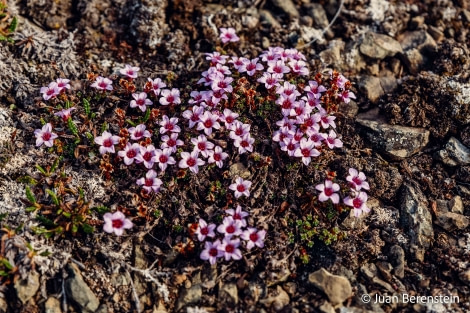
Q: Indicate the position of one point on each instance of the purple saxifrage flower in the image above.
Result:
(228, 35)
(103, 83)
(211, 252)
(116, 223)
(45, 136)
(204, 230)
(253, 237)
(107, 142)
(150, 182)
(241, 187)
(328, 191)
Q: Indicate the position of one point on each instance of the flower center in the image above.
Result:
(131, 154)
(147, 156)
(107, 143)
(244, 144)
(229, 248)
(240, 188)
(238, 131)
(213, 252)
(204, 231)
(140, 102)
(237, 216)
(194, 117)
(305, 152)
(328, 192)
(46, 136)
(286, 104)
(357, 180)
(208, 124)
(250, 67)
(191, 162)
(117, 223)
(148, 182)
(230, 229)
(357, 203)
(201, 146)
(170, 99)
(254, 237)
(163, 158)
(290, 146)
(103, 85)
(138, 134)
(50, 92)
(217, 157)
(171, 143)
(169, 126)
(228, 119)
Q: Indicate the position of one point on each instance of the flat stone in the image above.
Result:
(287, 6)
(454, 153)
(268, 19)
(379, 46)
(456, 205)
(416, 219)
(78, 290)
(397, 258)
(385, 270)
(278, 301)
(189, 296)
(228, 293)
(238, 169)
(398, 142)
(27, 288)
(52, 305)
(372, 87)
(450, 221)
(337, 288)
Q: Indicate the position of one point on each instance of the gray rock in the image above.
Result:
(52, 306)
(27, 288)
(78, 290)
(436, 33)
(456, 205)
(3, 306)
(416, 219)
(189, 296)
(238, 169)
(369, 271)
(287, 6)
(398, 142)
(148, 22)
(385, 270)
(450, 221)
(465, 276)
(388, 83)
(417, 45)
(268, 19)
(277, 301)
(326, 307)
(454, 153)
(320, 19)
(337, 288)
(228, 293)
(378, 46)
(372, 87)
(250, 18)
(397, 258)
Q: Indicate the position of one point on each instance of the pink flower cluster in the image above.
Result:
(233, 227)
(357, 199)
(55, 88)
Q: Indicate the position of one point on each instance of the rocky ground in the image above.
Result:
(408, 131)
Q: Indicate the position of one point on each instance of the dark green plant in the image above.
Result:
(8, 23)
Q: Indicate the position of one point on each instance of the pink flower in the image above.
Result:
(346, 96)
(286, 103)
(202, 145)
(50, 91)
(238, 63)
(328, 191)
(147, 156)
(314, 90)
(139, 132)
(150, 183)
(193, 115)
(62, 83)
(103, 83)
(116, 223)
(203, 230)
(222, 84)
(230, 249)
(252, 66)
(238, 215)
(306, 151)
(129, 71)
(287, 90)
(358, 202)
(217, 156)
(107, 142)
(208, 121)
(65, 113)
(289, 145)
(299, 67)
(327, 121)
(228, 117)
(278, 67)
(211, 252)
(269, 80)
(45, 136)
(244, 144)
(170, 97)
(169, 125)
(141, 101)
(190, 160)
(238, 130)
(357, 180)
(253, 237)
(216, 57)
(332, 141)
(130, 152)
(164, 158)
(172, 142)
(241, 187)
(228, 35)
(157, 85)
(230, 227)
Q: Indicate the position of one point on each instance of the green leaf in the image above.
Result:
(45, 253)
(89, 136)
(67, 214)
(74, 228)
(87, 228)
(54, 198)
(6, 264)
(86, 106)
(147, 116)
(72, 126)
(27, 180)
(3, 273)
(30, 209)
(30, 195)
(3, 38)
(56, 163)
(131, 123)
(13, 25)
(101, 209)
(104, 127)
(42, 170)
(45, 221)
(2, 216)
